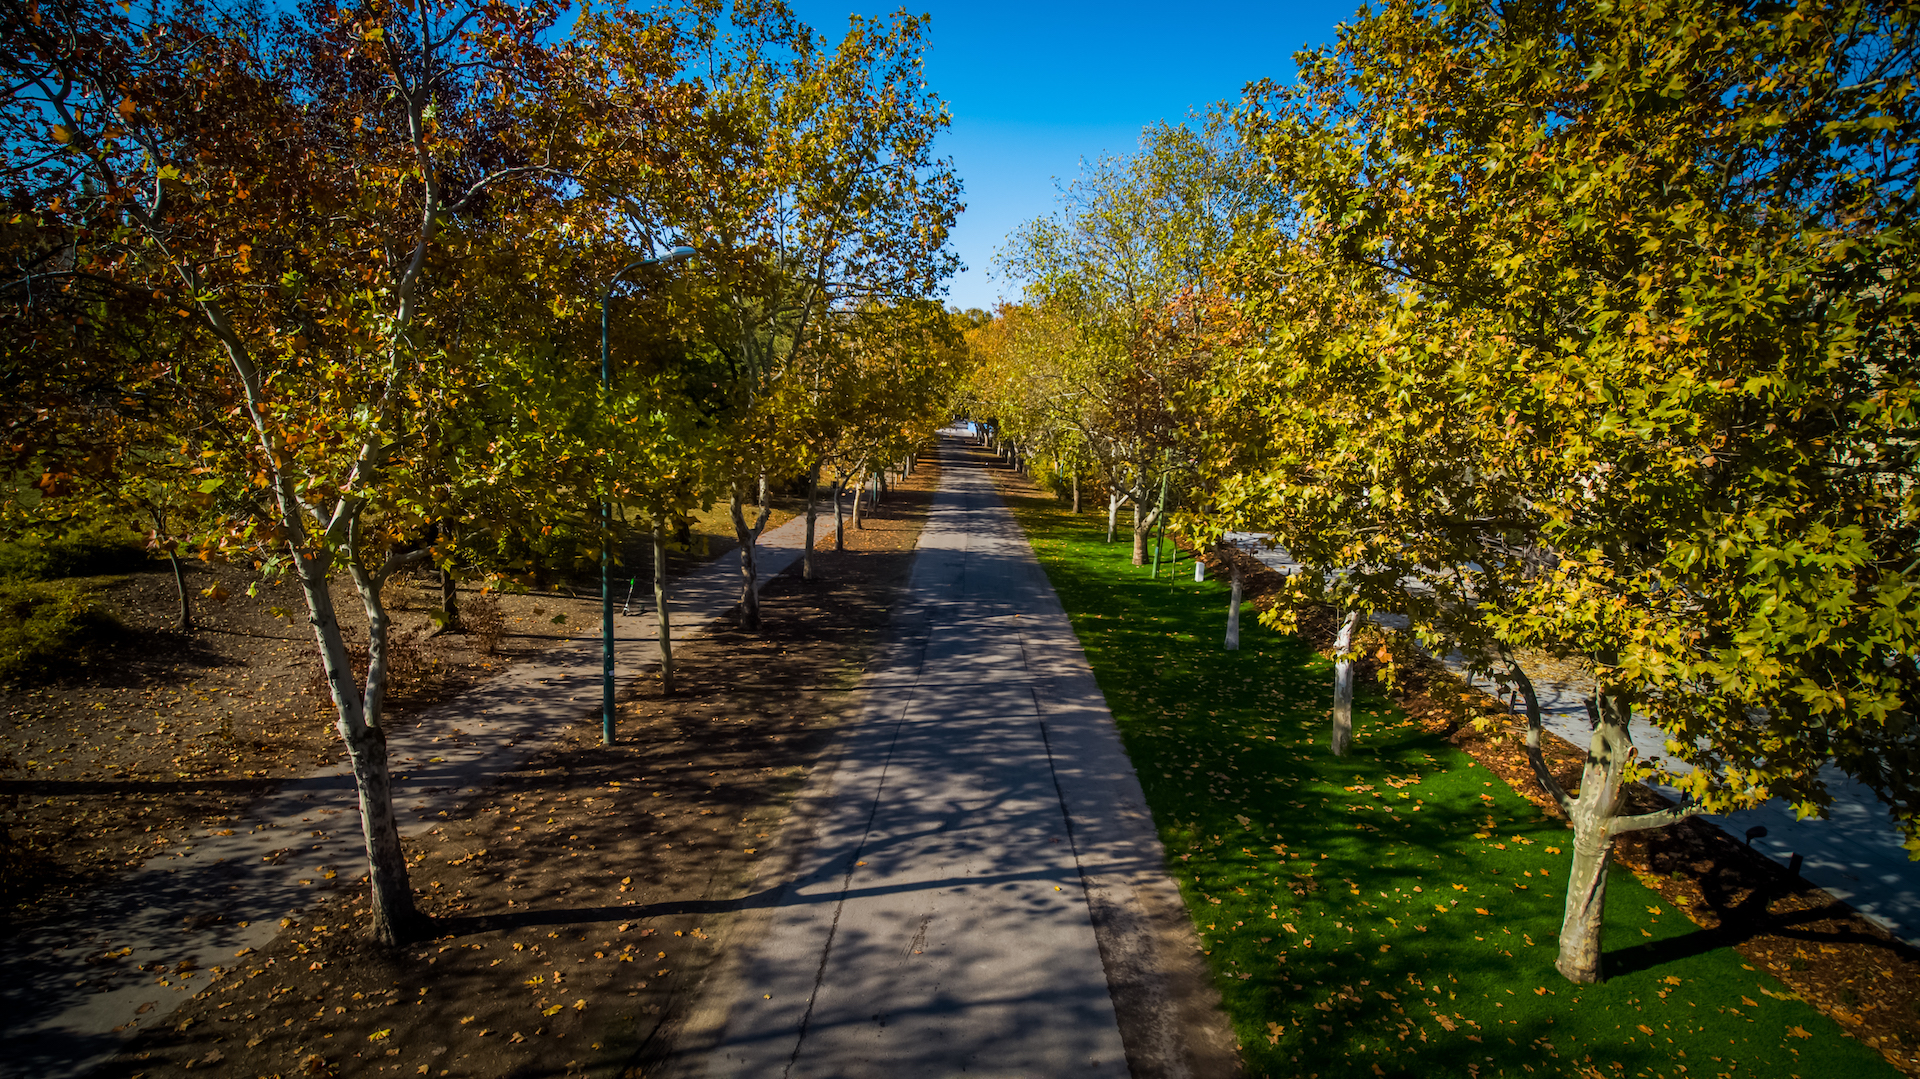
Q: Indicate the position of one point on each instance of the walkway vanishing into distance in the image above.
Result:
(979, 888)
(227, 888)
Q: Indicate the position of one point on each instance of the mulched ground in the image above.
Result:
(579, 901)
(1829, 954)
(110, 761)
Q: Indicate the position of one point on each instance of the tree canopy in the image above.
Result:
(319, 287)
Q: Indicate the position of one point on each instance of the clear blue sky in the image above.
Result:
(1035, 88)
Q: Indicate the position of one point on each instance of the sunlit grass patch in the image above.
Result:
(1394, 912)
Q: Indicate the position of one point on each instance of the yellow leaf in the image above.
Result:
(1750, 1002)
(379, 1035)
(1798, 1032)
(1481, 910)
(1645, 1029)
(61, 134)
(555, 1010)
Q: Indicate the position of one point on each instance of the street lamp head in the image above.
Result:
(678, 254)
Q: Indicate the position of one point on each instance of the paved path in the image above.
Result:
(63, 1009)
(983, 891)
(1856, 854)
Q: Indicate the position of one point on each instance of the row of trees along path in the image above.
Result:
(321, 287)
(1554, 328)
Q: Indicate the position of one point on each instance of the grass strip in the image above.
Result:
(1394, 912)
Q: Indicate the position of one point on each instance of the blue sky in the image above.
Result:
(1036, 88)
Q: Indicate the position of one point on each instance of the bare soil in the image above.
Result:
(109, 762)
(578, 902)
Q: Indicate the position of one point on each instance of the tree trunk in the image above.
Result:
(450, 601)
(1343, 685)
(859, 493)
(1160, 519)
(1142, 529)
(1114, 501)
(179, 571)
(449, 587)
(1233, 608)
(395, 918)
(839, 516)
(180, 590)
(747, 535)
(1076, 493)
(661, 619)
(813, 501)
(1592, 817)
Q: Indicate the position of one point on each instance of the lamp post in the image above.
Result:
(678, 254)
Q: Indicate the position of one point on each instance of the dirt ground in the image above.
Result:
(1823, 949)
(108, 763)
(579, 901)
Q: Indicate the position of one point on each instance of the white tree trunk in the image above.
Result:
(1343, 685)
(1142, 531)
(839, 516)
(358, 718)
(1592, 816)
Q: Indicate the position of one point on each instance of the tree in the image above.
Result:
(1618, 366)
(1132, 237)
(819, 192)
(319, 189)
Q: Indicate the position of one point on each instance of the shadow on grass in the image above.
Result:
(1396, 909)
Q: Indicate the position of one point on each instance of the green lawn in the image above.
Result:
(1392, 913)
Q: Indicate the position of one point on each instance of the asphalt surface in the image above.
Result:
(981, 889)
(67, 1001)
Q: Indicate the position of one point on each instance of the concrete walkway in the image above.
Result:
(982, 891)
(68, 1001)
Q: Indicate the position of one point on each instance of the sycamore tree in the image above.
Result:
(1106, 274)
(869, 390)
(322, 189)
(817, 193)
(117, 427)
(1594, 337)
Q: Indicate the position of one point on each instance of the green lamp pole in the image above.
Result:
(678, 254)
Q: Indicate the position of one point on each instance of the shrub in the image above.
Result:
(48, 625)
(86, 551)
